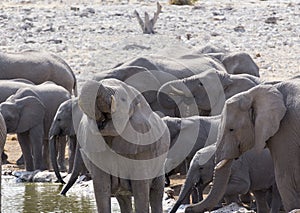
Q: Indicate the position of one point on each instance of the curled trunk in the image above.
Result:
(53, 141)
(220, 180)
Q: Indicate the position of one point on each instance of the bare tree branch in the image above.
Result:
(148, 25)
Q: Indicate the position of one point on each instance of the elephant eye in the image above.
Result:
(58, 119)
(231, 130)
(200, 84)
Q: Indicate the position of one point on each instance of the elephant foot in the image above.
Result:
(20, 161)
(4, 158)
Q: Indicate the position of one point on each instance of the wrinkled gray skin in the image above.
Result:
(206, 92)
(267, 116)
(29, 113)
(248, 173)
(62, 125)
(147, 74)
(113, 100)
(37, 67)
(188, 135)
(178, 59)
(2, 143)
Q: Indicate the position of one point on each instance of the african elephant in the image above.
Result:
(147, 74)
(266, 115)
(205, 92)
(62, 125)
(180, 59)
(37, 67)
(188, 135)
(29, 113)
(2, 142)
(123, 144)
(247, 173)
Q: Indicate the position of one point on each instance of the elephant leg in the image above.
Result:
(141, 191)
(21, 161)
(102, 189)
(24, 142)
(61, 153)
(36, 136)
(276, 202)
(156, 194)
(261, 202)
(72, 151)
(125, 203)
(45, 154)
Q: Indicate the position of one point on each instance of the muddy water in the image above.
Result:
(41, 197)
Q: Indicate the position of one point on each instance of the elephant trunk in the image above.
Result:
(53, 141)
(220, 180)
(95, 98)
(78, 168)
(193, 177)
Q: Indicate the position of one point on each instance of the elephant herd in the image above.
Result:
(132, 126)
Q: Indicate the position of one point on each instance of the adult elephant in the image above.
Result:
(29, 113)
(205, 92)
(247, 173)
(123, 144)
(2, 142)
(267, 116)
(38, 67)
(178, 59)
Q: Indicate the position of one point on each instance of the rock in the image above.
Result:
(271, 20)
(239, 28)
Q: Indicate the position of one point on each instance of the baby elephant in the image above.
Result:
(248, 173)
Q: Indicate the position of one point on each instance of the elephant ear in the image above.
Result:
(205, 154)
(268, 110)
(225, 79)
(32, 112)
(238, 63)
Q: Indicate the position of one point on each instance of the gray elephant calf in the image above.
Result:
(123, 144)
(29, 113)
(63, 125)
(248, 173)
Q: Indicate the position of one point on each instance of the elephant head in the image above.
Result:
(249, 119)
(22, 114)
(204, 91)
(239, 63)
(124, 115)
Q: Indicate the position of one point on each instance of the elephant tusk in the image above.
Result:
(51, 138)
(177, 91)
(113, 107)
(221, 164)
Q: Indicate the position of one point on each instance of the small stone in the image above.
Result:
(219, 18)
(271, 20)
(240, 29)
(257, 55)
